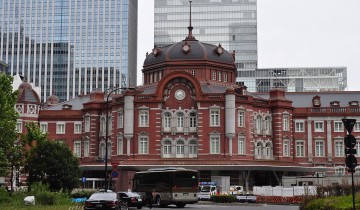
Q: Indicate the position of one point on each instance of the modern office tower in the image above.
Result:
(70, 47)
(233, 24)
(295, 79)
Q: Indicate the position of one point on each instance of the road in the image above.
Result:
(229, 207)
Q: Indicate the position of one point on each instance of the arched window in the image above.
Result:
(180, 149)
(268, 150)
(193, 149)
(258, 124)
(102, 150)
(267, 125)
(258, 150)
(167, 149)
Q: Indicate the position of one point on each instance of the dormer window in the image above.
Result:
(354, 103)
(316, 101)
(335, 103)
(66, 106)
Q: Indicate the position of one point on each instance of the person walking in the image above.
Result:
(149, 199)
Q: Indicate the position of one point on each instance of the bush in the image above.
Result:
(4, 196)
(80, 193)
(223, 198)
(45, 198)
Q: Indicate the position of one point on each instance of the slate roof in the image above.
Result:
(304, 99)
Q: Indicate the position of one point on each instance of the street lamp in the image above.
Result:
(107, 130)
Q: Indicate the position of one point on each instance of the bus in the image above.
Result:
(177, 186)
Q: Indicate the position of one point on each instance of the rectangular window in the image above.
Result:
(339, 171)
(143, 145)
(120, 120)
(86, 148)
(77, 149)
(319, 126)
(299, 127)
(87, 123)
(339, 149)
(143, 118)
(338, 126)
(319, 149)
(357, 147)
(214, 117)
(225, 77)
(77, 127)
(19, 127)
(60, 128)
(214, 145)
(44, 127)
(286, 148)
(120, 145)
(300, 149)
(214, 75)
(286, 122)
(241, 145)
(220, 76)
(241, 118)
(357, 127)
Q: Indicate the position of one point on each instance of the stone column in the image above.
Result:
(230, 117)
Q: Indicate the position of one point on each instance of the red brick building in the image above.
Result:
(190, 113)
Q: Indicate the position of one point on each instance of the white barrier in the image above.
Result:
(284, 191)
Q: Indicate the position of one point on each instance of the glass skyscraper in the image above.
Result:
(70, 47)
(232, 23)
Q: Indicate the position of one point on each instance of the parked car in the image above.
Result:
(246, 198)
(132, 199)
(102, 200)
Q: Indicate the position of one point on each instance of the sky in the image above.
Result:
(291, 33)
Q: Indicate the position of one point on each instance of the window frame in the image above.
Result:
(214, 117)
(299, 126)
(300, 149)
(58, 125)
(215, 144)
(77, 127)
(241, 145)
(143, 118)
(316, 129)
(241, 118)
(77, 149)
(143, 145)
(338, 126)
(319, 148)
(120, 119)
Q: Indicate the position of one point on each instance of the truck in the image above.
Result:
(223, 182)
(218, 185)
(206, 190)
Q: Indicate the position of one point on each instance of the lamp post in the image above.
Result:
(107, 130)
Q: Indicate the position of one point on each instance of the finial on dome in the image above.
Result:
(190, 35)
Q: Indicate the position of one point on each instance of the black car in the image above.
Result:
(132, 199)
(105, 200)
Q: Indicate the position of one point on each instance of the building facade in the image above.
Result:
(191, 113)
(295, 79)
(3, 66)
(231, 23)
(234, 25)
(69, 48)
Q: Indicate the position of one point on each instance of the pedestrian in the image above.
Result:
(149, 199)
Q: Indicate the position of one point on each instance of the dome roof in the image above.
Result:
(52, 100)
(189, 50)
(25, 85)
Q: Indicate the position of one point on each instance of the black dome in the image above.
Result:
(197, 51)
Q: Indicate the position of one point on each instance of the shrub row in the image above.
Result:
(223, 198)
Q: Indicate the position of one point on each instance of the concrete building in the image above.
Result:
(69, 48)
(3, 66)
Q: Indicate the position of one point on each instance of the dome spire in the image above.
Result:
(190, 36)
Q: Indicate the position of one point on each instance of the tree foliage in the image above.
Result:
(50, 162)
(8, 118)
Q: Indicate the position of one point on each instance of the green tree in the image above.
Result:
(8, 118)
(50, 162)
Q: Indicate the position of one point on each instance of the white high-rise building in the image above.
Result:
(233, 24)
(70, 47)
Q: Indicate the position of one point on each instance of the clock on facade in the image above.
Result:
(180, 94)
